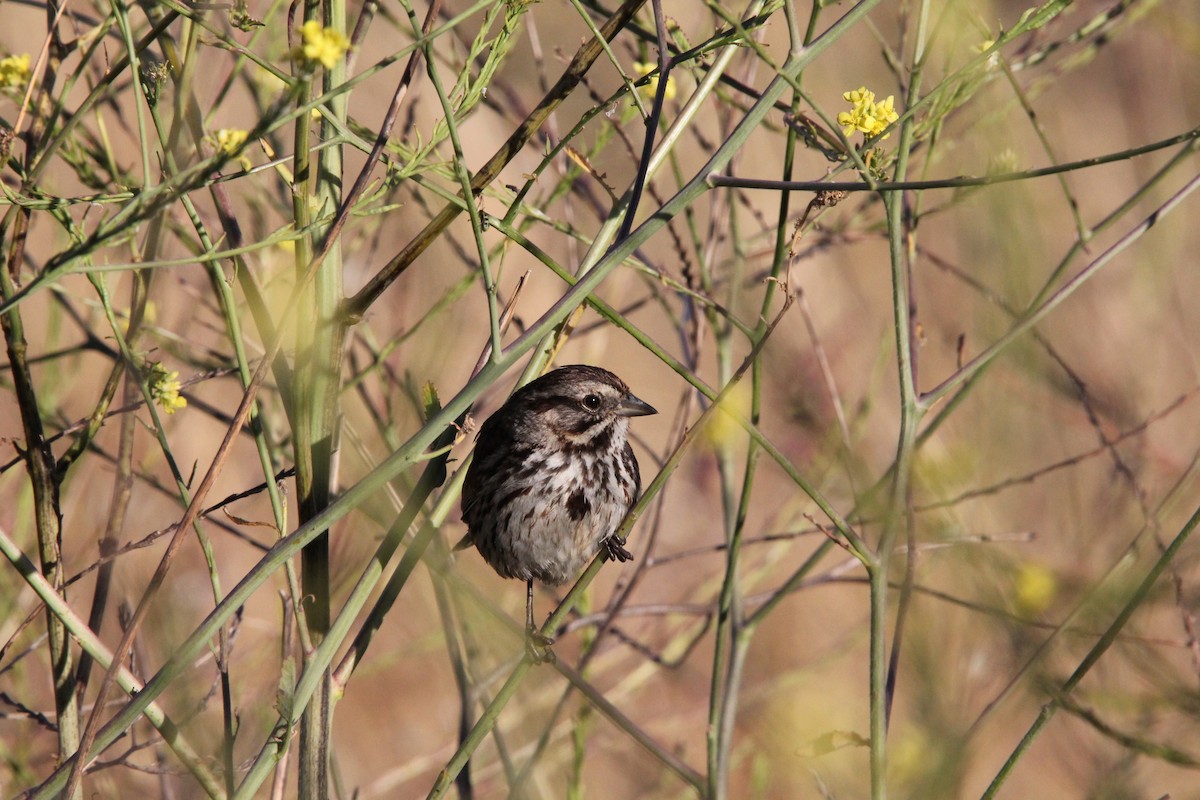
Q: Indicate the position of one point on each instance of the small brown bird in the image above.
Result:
(553, 477)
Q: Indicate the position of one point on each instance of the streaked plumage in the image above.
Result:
(553, 476)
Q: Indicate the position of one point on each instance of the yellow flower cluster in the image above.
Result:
(230, 140)
(865, 115)
(14, 72)
(320, 45)
(651, 88)
(164, 388)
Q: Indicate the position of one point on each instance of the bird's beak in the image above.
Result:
(631, 406)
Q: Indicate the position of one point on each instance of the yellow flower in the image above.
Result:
(14, 72)
(993, 60)
(1036, 588)
(865, 115)
(230, 140)
(164, 388)
(722, 428)
(320, 44)
(649, 90)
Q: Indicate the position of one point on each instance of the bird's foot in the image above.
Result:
(614, 548)
(537, 647)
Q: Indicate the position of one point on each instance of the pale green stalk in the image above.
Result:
(91, 644)
(318, 382)
(464, 179)
(415, 446)
(1093, 656)
(910, 416)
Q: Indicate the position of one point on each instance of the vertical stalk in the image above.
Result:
(317, 195)
(303, 402)
(723, 682)
(910, 414)
(39, 463)
(878, 569)
(734, 632)
(728, 611)
(741, 630)
(38, 455)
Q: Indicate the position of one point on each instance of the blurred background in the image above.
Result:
(1043, 487)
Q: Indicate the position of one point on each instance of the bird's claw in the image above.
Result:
(614, 547)
(537, 647)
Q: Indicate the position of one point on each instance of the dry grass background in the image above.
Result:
(1036, 506)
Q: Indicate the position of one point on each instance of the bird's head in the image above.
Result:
(580, 404)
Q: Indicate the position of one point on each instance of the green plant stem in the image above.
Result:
(416, 444)
(857, 546)
(43, 478)
(958, 182)
(463, 174)
(492, 712)
(1093, 656)
(903, 303)
(91, 644)
(1037, 313)
(146, 205)
(316, 671)
(317, 377)
(935, 399)
(584, 58)
(188, 118)
(723, 680)
(741, 630)
(40, 466)
(664, 755)
(612, 226)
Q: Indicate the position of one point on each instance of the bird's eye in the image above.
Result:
(592, 402)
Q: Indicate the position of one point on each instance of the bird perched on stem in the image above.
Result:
(552, 478)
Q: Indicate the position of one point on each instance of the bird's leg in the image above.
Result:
(614, 547)
(537, 644)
